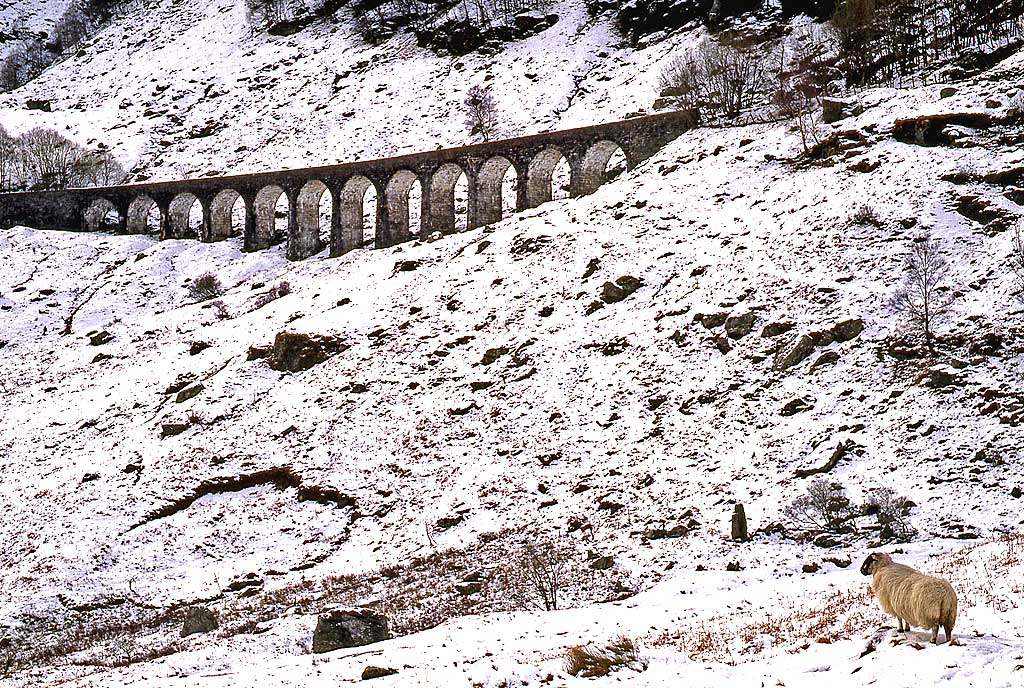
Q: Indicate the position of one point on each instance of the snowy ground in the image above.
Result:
(629, 419)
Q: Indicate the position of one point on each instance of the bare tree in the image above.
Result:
(823, 508)
(924, 295)
(538, 575)
(481, 110)
(8, 160)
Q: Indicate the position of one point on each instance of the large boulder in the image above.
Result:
(793, 352)
(740, 325)
(295, 352)
(620, 289)
(343, 628)
(198, 620)
(846, 330)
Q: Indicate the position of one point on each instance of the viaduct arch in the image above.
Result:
(289, 206)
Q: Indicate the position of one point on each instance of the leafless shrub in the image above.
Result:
(866, 215)
(540, 573)
(719, 78)
(825, 508)
(44, 158)
(892, 512)
(924, 297)
(205, 287)
(1017, 257)
(276, 292)
(590, 661)
(221, 310)
(481, 111)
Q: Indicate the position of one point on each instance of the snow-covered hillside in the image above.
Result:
(486, 396)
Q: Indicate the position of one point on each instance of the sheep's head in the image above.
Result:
(874, 561)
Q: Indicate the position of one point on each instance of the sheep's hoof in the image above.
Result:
(956, 643)
(916, 646)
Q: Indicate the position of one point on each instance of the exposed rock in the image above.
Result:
(468, 587)
(846, 330)
(449, 521)
(250, 580)
(189, 393)
(836, 109)
(723, 345)
(826, 358)
(295, 352)
(1016, 492)
(793, 352)
(100, 338)
(198, 620)
(259, 352)
(349, 628)
(988, 344)
(663, 534)
(776, 328)
(822, 337)
(797, 406)
(198, 347)
(372, 672)
(940, 376)
(733, 566)
(172, 429)
(825, 540)
(739, 326)
(41, 105)
(712, 320)
(623, 287)
(811, 568)
(947, 92)
(931, 130)
(603, 563)
(492, 355)
(985, 212)
(841, 563)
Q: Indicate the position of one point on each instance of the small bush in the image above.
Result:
(540, 573)
(924, 296)
(589, 661)
(221, 310)
(892, 512)
(825, 508)
(866, 215)
(276, 292)
(205, 287)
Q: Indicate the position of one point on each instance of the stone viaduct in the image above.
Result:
(164, 208)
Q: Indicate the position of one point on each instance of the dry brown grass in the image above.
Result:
(589, 661)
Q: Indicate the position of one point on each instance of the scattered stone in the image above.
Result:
(712, 320)
(603, 563)
(259, 352)
(623, 287)
(294, 352)
(172, 429)
(846, 330)
(89, 477)
(940, 376)
(841, 563)
(739, 326)
(1015, 492)
(41, 105)
(189, 393)
(793, 352)
(198, 620)
(827, 358)
(449, 521)
(198, 347)
(722, 344)
(100, 338)
(776, 328)
(250, 580)
(836, 109)
(492, 355)
(811, 568)
(947, 92)
(797, 406)
(822, 337)
(468, 587)
(739, 524)
(372, 672)
(663, 534)
(349, 628)
(733, 566)
(825, 541)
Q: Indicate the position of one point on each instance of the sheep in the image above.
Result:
(912, 597)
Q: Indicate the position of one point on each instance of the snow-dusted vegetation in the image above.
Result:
(523, 445)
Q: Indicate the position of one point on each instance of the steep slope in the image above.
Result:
(482, 399)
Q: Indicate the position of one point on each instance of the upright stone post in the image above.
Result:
(250, 240)
(426, 207)
(337, 235)
(739, 524)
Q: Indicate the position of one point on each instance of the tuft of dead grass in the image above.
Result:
(590, 661)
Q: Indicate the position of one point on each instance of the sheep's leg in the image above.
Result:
(949, 633)
(935, 635)
(900, 629)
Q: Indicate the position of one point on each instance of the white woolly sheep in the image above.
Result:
(912, 597)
